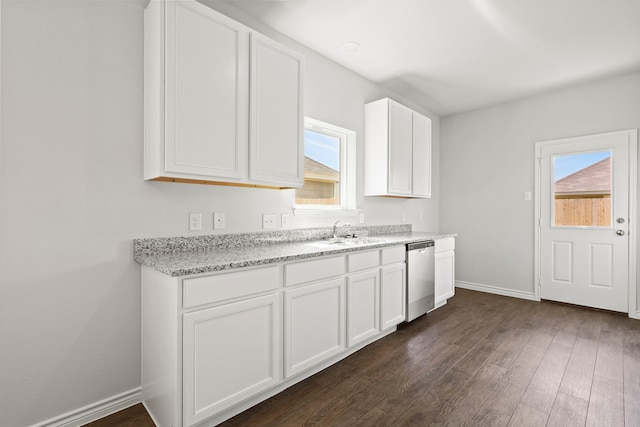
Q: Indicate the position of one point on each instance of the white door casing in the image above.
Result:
(588, 265)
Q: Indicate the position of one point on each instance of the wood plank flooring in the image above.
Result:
(481, 360)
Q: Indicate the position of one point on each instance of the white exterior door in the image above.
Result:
(584, 214)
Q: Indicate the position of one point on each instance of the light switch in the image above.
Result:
(527, 195)
(285, 220)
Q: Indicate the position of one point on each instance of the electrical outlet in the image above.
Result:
(361, 217)
(218, 221)
(285, 220)
(404, 217)
(195, 221)
(268, 220)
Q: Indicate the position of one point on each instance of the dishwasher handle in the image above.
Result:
(420, 245)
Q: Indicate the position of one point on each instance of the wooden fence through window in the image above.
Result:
(585, 211)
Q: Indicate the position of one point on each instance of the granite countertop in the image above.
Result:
(182, 256)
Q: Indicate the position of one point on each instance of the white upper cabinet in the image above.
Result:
(276, 126)
(397, 151)
(399, 147)
(196, 92)
(199, 66)
(421, 158)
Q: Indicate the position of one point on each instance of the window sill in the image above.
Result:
(298, 211)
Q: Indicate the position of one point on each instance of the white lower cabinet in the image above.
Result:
(314, 324)
(363, 306)
(444, 270)
(230, 352)
(392, 295)
(216, 344)
(393, 286)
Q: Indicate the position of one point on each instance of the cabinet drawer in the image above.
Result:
(220, 287)
(393, 255)
(309, 271)
(363, 260)
(446, 244)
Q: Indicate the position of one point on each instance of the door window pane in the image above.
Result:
(582, 189)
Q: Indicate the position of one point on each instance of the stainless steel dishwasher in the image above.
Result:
(420, 278)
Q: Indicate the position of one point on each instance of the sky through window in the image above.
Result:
(564, 166)
(322, 148)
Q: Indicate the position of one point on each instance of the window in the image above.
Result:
(582, 189)
(329, 168)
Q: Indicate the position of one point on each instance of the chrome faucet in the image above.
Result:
(336, 228)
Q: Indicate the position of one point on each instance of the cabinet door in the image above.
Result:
(230, 353)
(363, 307)
(444, 276)
(421, 156)
(206, 92)
(392, 295)
(314, 324)
(400, 148)
(276, 145)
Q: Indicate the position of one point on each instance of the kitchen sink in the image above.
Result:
(345, 242)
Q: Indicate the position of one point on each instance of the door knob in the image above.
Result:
(620, 232)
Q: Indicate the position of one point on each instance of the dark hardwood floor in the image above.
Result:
(481, 360)
(135, 416)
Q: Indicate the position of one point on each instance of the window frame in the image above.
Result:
(348, 140)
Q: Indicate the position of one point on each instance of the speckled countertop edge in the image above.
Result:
(184, 256)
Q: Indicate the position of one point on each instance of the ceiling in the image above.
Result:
(451, 56)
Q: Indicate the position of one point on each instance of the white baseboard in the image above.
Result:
(515, 294)
(496, 290)
(95, 411)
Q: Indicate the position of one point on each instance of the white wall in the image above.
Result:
(72, 198)
(487, 163)
(336, 95)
